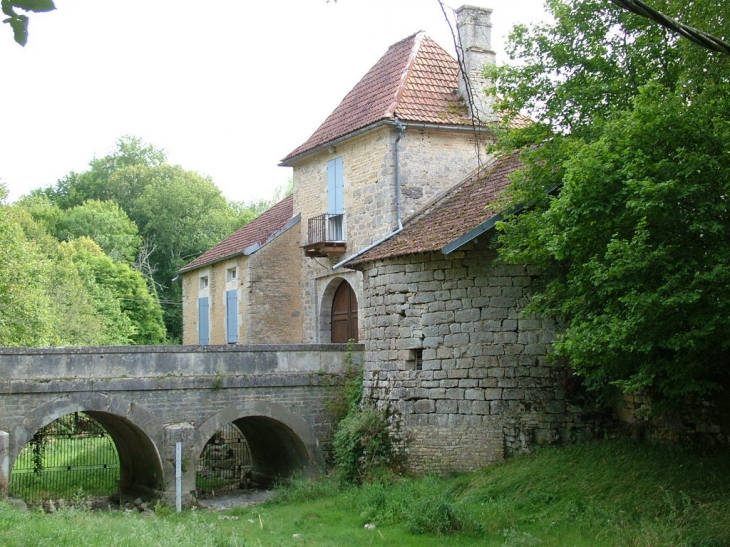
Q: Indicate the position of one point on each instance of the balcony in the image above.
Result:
(325, 236)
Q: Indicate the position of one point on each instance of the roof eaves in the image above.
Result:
(487, 225)
(290, 160)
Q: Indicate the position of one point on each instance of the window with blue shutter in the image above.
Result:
(335, 187)
(232, 316)
(203, 322)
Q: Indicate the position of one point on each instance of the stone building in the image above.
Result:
(246, 289)
(447, 346)
(403, 135)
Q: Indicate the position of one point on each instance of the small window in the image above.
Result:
(204, 282)
(415, 359)
(231, 274)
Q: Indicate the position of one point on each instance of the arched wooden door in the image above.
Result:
(344, 314)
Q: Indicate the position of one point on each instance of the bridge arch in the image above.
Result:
(134, 430)
(281, 443)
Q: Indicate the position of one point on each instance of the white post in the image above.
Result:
(178, 476)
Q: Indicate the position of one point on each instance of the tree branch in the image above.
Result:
(699, 37)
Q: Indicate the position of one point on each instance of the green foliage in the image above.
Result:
(178, 215)
(104, 222)
(136, 311)
(67, 293)
(633, 248)
(362, 444)
(18, 21)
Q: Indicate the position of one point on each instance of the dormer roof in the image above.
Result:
(416, 81)
(251, 237)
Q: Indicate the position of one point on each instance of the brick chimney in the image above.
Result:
(474, 29)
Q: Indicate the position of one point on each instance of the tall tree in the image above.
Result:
(178, 214)
(632, 131)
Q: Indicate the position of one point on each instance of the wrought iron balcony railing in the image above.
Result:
(325, 235)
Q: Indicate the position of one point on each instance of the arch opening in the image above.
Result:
(276, 451)
(72, 455)
(225, 462)
(339, 313)
(138, 470)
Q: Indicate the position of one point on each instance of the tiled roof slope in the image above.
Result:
(259, 230)
(456, 213)
(415, 80)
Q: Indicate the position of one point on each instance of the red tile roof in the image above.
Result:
(416, 81)
(258, 231)
(454, 214)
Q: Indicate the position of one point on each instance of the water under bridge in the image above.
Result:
(149, 398)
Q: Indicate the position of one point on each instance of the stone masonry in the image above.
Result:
(150, 397)
(431, 162)
(464, 371)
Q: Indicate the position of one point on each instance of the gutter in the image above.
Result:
(287, 162)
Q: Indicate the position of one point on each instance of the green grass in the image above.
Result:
(82, 455)
(610, 493)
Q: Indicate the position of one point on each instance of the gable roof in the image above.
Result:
(452, 220)
(416, 80)
(250, 237)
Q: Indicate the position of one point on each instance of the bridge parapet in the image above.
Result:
(277, 395)
(172, 361)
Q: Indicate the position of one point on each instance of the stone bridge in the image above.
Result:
(150, 397)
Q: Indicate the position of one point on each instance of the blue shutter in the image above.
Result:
(232, 316)
(335, 187)
(203, 322)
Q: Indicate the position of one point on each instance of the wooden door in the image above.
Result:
(344, 314)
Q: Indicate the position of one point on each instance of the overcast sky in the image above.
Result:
(226, 87)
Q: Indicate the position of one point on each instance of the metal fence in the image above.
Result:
(325, 229)
(225, 463)
(72, 456)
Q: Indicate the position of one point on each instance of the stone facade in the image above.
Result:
(464, 371)
(273, 293)
(268, 285)
(431, 161)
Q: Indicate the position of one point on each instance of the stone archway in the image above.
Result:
(280, 443)
(344, 315)
(338, 322)
(131, 427)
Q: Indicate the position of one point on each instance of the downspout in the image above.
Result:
(400, 129)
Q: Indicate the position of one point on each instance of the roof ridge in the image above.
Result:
(415, 79)
(417, 41)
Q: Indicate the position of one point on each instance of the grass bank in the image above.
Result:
(606, 493)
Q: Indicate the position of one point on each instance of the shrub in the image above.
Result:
(362, 444)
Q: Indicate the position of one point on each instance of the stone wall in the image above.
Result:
(432, 161)
(269, 289)
(449, 351)
(272, 292)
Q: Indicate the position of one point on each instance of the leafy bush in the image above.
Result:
(362, 444)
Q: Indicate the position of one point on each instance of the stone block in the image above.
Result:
(424, 406)
(474, 394)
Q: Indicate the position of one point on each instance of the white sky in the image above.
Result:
(226, 87)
